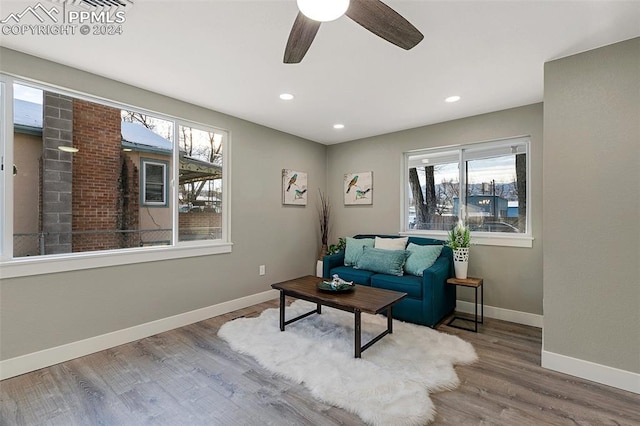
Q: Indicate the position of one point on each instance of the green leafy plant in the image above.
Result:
(336, 248)
(459, 237)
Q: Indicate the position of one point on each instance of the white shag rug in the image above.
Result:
(389, 385)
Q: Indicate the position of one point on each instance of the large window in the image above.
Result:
(90, 175)
(484, 185)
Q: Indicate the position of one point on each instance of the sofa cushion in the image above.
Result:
(409, 284)
(391, 243)
(383, 261)
(420, 258)
(353, 249)
(348, 273)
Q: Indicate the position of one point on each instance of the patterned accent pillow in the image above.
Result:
(353, 250)
(421, 258)
(383, 261)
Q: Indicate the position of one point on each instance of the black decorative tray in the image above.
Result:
(342, 288)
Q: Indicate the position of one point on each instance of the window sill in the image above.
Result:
(480, 238)
(40, 265)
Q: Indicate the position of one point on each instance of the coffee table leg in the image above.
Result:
(358, 343)
(390, 320)
(318, 308)
(281, 310)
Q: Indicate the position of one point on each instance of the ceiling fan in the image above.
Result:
(373, 15)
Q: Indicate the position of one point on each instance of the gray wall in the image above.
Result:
(591, 235)
(45, 311)
(512, 276)
(592, 206)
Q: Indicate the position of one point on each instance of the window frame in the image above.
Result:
(144, 161)
(524, 239)
(11, 267)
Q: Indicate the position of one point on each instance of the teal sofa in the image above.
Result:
(430, 299)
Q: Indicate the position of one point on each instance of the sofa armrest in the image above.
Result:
(331, 261)
(436, 289)
(439, 271)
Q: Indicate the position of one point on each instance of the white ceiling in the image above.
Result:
(227, 56)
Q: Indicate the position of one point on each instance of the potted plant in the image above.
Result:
(459, 242)
(332, 249)
(336, 248)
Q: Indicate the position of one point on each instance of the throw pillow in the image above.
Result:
(382, 261)
(391, 243)
(420, 258)
(353, 249)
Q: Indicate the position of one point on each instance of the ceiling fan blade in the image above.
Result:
(384, 22)
(300, 38)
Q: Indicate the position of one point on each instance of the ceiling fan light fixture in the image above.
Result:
(323, 10)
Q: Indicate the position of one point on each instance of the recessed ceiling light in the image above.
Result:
(68, 149)
(452, 99)
(338, 126)
(286, 96)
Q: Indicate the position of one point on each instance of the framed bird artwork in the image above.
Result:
(294, 187)
(358, 188)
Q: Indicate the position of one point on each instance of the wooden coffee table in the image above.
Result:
(361, 299)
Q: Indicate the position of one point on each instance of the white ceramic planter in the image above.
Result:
(461, 262)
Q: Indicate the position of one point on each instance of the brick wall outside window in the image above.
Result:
(98, 207)
(199, 223)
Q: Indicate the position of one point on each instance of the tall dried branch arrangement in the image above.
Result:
(324, 212)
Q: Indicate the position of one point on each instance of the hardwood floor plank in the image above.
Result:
(189, 376)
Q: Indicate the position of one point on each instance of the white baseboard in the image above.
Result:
(47, 357)
(518, 317)
(621, 379)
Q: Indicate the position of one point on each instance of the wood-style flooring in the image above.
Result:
(189, 376)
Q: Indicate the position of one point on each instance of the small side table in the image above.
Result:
(475, 283)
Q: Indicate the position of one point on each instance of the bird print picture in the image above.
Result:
(294, 187)
(358, 188)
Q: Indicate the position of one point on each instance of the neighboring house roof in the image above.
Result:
(136, 136)
(196, 170)
(27, 115)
